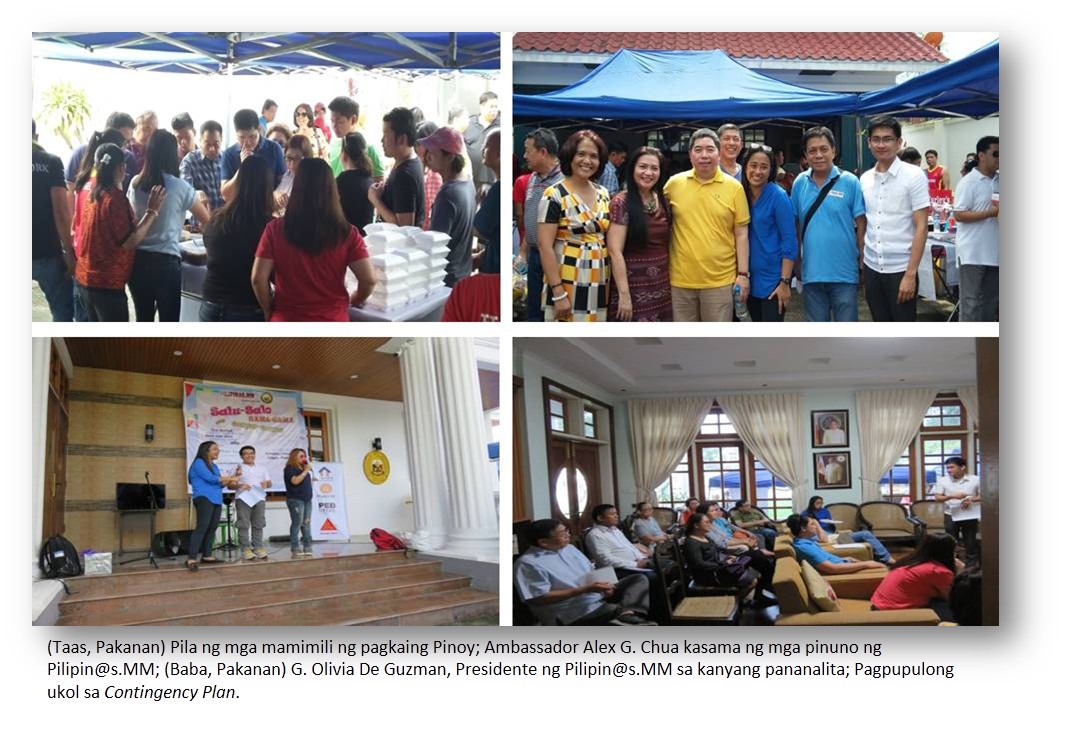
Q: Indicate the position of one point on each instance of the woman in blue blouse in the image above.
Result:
(298, 499)
(771, 236)
(817, 510)
(207, 483)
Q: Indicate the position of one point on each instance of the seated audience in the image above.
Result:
(805, 531)
(711, 566)
(747, 518)
(690, 509)
(922, 579)
(551, 577)
(608, 546)
(965, 599)
(646, 527)
(824, 523)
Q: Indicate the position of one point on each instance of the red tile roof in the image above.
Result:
(799, 46)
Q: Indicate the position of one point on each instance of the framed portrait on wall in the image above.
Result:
(829, 428)
(832, 470)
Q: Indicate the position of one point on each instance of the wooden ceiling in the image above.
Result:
(311, 364)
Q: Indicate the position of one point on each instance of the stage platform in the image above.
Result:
(341, 585)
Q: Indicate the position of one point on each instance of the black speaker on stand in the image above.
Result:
(172, 543)
(227, 525)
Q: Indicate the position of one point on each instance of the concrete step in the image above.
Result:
(440, 609)
(381, 601)
(174, 575)
(250, 588)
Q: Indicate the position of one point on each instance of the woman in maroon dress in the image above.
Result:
(638, 242)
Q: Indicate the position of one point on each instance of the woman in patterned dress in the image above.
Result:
(303, 123)
(639, 244)
(571, 235)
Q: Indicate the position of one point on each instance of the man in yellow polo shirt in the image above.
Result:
(709, 253)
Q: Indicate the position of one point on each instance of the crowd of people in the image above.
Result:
(733, 551)
(283, 211)
(605, 235)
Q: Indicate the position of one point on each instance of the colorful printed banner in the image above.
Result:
(234, 416)
(329, 513)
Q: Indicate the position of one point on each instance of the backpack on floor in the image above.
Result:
(386, 540)
(59, 558)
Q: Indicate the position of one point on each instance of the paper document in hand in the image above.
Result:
(253, 496)
(600, 575)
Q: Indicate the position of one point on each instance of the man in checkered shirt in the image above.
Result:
(202, 168)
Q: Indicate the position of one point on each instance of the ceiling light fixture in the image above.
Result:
(352, 377)
(178, 353)
(275, 366)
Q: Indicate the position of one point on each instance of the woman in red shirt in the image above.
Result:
(108, 239)
(308, 252)
(921, 579)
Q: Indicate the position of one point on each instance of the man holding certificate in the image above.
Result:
(251, 505)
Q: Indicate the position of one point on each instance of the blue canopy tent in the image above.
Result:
(680, 85)
(269, 53)
(968, 87)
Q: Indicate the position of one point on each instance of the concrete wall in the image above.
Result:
(533, 370)
(952, 138)
(108, 411)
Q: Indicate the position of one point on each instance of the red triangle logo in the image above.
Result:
(328, 526)
(189, 388)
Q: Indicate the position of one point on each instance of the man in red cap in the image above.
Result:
(454, 208)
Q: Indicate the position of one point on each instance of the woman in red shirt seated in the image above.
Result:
(308, 252)
(109, 236)
(690, 509)
(921, 579)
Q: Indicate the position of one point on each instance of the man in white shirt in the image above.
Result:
(897, 213)
(977, 243)
(251, 505)
(961, 495)
(608, 546)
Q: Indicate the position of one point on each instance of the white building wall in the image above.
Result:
(952, 138)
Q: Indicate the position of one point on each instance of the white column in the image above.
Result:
(425, 449)
(473, 527)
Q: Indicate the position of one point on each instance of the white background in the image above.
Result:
(1005, 676)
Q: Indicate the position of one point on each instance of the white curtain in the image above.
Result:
(660, 432)
(888, 421)
(771, 425)
(968, 396)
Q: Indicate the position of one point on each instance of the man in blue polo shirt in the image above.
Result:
(832, 244)
(804, 542)
(551, 577)
(249, 142)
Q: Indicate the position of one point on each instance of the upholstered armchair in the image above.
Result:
(799, 597)
(889, 522)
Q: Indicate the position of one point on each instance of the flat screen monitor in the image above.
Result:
(134, 496)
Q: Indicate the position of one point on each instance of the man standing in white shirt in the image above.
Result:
(251, 505)
(961, 495)
(977, 212)
(897, 213)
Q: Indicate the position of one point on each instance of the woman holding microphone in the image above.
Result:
(298, 500)
(207, 483)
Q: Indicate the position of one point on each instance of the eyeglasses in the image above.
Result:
(293, 158)
(762, 148)
(882, 140)
(302, 114)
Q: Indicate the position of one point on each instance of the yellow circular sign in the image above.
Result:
(376, 467)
